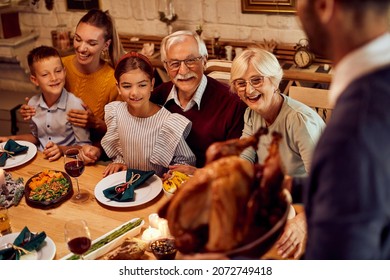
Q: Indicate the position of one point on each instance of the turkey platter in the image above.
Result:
(231, 205)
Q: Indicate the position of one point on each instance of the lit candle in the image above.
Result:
(163, 227)
(165, 7)
(171, 8)
(150, 234)
(153, 220)
(168, 8)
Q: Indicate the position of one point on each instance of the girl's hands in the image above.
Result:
(113, 168)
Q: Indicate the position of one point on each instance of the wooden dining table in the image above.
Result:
(100, 218)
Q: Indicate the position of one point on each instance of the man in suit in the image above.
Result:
(348, 192)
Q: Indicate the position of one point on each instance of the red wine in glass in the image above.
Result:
(74, 166)
(78, 237)
(79, 245)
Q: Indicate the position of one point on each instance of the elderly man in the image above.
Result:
(215, 112)
(347, 198)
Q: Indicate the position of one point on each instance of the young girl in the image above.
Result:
(141, 134)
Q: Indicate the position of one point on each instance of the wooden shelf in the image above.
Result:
(284, 53)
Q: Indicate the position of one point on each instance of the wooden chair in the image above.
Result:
(218, 65)
(223, 77)
(219, 70)
(317, 99)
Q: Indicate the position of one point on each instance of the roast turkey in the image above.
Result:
(228, 202)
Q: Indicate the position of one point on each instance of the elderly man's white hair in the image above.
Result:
(178, 37)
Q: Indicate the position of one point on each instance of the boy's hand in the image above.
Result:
(52, 151)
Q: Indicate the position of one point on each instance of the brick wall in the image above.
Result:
(141, 17)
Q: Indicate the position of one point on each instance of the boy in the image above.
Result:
(50, 129)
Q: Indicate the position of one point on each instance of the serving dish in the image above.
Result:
(164, 249)
(174, 182)
(51, 203)
(96, 253)
(257, 247)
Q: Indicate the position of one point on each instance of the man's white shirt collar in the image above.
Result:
(196, 99)
(362, 61)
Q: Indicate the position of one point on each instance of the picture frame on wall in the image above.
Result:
(82, 5)
(268, 6)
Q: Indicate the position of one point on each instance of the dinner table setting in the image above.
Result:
(124, 214)
(102, 214)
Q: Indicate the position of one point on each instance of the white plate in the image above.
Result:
(113, 244)
(47, 250)
(22, 158)
(143, 194)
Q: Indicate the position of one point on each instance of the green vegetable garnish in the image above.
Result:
(125, 228)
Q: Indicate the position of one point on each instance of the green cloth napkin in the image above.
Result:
(26, 240)
(11, 146)
(128, 193)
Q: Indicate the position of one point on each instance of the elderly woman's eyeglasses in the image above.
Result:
(174, 65)
(255, 82)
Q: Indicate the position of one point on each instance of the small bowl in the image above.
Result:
(164, 249)
(169, 194)
(176, 180)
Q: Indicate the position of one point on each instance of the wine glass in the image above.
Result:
(78, 237)
(74, 166)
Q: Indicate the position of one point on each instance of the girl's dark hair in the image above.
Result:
(132, 61)
(103, 20)
(40, 53)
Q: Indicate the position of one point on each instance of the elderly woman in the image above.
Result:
(255, 77)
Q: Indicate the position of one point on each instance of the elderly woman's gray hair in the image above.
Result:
(263, 61)
(178, 37)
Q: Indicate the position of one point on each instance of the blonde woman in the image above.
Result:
(255, 77)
